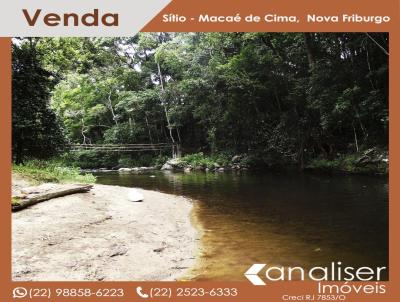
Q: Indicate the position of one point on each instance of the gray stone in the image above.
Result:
(236, 158)
(175, 162)
(167, 166)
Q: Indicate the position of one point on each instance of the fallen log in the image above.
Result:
(34, 195)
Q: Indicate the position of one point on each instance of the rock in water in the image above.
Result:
(236, 159)
(174, 164)
(135, 195)
(167, 167)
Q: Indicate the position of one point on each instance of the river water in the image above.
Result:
(285, 219)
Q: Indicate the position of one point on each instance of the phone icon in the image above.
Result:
(139, 292)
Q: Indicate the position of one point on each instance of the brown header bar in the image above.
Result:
(276, 15)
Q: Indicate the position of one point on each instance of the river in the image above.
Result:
(285, 219)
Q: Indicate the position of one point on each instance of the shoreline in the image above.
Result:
(101, 236)
(195, 269)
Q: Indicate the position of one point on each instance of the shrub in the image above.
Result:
(52, 171)
(223, 158)
(198, 160)
(91, 159)
(349, 163)
(160, 160)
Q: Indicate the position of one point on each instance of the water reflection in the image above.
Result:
(285, 219)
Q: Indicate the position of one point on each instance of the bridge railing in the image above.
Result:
(127, 147)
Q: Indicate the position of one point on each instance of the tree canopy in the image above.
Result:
(280, 97)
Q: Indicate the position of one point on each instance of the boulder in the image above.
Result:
(236, 159)
(372, 157)
(369, 152)
(167, 167)
(174, 164)
(124, 169)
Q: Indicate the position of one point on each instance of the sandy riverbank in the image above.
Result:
(101, 235)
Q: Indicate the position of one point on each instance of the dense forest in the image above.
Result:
(272, 98)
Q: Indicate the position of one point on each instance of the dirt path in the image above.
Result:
(101, 235)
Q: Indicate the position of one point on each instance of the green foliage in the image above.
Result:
(223, 159)
(348, 164)
(324, 164)
(51, 171)
(279, 98)
(198, 160)
(254, 160)
(159, 161)
(15, 201)
(137, 160)
(90, 159)
(36, 129)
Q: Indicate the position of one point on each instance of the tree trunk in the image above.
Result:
(163, 103)
(300, 154)
(111, 108)
(23, 202)
(83, 131)
(310, 49)
(148, 128)
(19, 153)
(355, 136)
(377, 44)
(179, 134)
